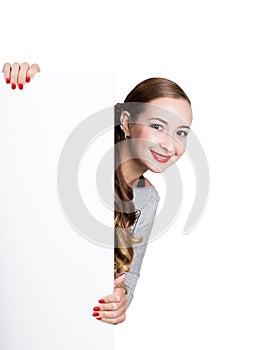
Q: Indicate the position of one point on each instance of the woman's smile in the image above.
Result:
(160, 157)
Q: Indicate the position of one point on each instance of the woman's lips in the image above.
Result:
(160, 157)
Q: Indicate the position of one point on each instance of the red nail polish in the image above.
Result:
(7, 80)
(28, 79)
(95, 314)
(13, 86)
(20, 86)
(102, 301)
(98, 318)
(96, 308)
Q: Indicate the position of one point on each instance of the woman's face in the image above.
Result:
(160, 133)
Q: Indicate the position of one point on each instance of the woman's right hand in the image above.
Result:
(112, 308)
(18, 74)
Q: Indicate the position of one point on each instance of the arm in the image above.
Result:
(112, 308)
(133, 275)
(142, 229)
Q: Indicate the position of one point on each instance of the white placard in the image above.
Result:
(51, 276)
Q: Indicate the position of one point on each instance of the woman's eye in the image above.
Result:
(182, 133)
(157, 126)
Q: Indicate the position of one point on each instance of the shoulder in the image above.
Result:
(147, 182)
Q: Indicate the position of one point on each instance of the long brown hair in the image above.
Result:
(124, 213)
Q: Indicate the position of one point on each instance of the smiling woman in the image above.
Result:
(151, 129)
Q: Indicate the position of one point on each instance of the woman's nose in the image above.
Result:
(168, 144)
(171, 145)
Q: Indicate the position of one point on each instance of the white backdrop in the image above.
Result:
(207, 289)
(49, 274)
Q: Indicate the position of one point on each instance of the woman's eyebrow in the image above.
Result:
(184, 126)
(163, 121)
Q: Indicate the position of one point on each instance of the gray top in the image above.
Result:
(146, 201)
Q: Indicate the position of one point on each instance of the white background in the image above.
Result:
(207, 289)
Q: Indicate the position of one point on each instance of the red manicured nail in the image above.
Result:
(28, 79)
(7, 80)
(98, 318)
(96, 308)
(20, 86)
(102, 301)
(95, 314)
(13, 86)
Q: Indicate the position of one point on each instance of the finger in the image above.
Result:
(14, 75)
(113, 317)
(110, 314)
(111, 306)
(113, 321)
(118, 294)
(6, 70)
(22, 74)
(32, 71)
(119, 280)
(110, 299)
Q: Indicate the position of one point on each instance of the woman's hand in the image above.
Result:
(112, 308)
(19, 74)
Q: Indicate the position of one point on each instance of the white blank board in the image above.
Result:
(50, 276)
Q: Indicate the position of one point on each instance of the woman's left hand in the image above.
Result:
(112, 308)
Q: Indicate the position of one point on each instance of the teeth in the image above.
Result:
(161, 158)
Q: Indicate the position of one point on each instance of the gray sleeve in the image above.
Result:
(134, 273)
(143, 229)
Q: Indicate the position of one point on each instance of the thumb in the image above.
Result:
(119, 280)
(33, 70)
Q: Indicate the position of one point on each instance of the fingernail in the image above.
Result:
(7, 81)
(96, 308)
(95, 314)
(28, 79)
(13, 86)
(20, 86)
(98, 318)
(102, 301)
(121, 274)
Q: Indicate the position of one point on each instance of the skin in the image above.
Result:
(161, 131)
(113, 311)
(18, 74)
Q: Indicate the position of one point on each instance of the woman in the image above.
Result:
(151, 128)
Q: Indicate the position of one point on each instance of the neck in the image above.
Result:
(132, 168)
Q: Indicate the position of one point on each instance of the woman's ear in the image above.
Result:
(125, 120)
